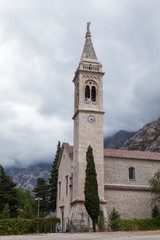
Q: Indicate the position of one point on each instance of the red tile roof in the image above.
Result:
(117, 153)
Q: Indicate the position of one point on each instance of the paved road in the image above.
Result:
(147, 235)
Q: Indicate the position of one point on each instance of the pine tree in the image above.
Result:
(91, 189)
(26, 203)
(53, 180)
(8, 193)
(41, 190)
(6, 212)
(114, 218)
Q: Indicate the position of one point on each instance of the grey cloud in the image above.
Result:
(41, 45)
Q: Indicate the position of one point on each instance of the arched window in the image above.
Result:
(93, 93)
(131, 173)
(87, 93)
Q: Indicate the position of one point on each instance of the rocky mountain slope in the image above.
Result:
(146, 139)
(27, 177)
(117, 140)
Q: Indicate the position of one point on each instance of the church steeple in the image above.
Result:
(88, 53)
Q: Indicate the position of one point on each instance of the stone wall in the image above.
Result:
(131, 198)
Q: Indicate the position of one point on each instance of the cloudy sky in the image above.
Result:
(41, 43)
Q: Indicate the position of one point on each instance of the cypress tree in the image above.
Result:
(91, 189)
(8, 193)
(53, 180)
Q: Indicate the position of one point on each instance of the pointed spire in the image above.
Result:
(88, 53)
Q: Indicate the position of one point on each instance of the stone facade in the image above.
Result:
(131, 197)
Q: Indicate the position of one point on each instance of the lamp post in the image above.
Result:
(38, 198)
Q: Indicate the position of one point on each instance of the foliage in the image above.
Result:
(155, 211)
(26, 203)
(91, 188)
(53, 180)
(23, 226)
(155, 186)
(101, 222)
(6, 212)
(114, 218)
(137, 224)
(41, 190)
(8, 193)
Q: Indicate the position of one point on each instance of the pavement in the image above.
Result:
(145, 235)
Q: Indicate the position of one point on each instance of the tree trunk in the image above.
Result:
(94, 226)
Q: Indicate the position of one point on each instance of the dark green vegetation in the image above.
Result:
(136, 224)
(155, 191)
(155, 186)
(91, 189)
(22, 226)
(8, 193)
(27, 206)
(41, 191)
(114, 218)
(19, 202)
(53, 180)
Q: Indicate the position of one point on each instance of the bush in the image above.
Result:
(16, 226)
(136, 224)
(155, 211)
(114, 220)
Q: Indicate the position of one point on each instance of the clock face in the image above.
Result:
(91, 118)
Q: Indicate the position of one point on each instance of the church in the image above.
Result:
(122, 175)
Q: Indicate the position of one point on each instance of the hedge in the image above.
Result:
(135, 224)
(14, 226)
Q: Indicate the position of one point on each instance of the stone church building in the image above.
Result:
(122, 175)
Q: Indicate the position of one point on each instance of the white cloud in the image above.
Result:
(40, 47)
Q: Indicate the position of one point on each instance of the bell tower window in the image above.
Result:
(87, 93)
(93, 93)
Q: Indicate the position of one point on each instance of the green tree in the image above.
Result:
(91, 189)
(53, 180)
(155, 211)
(6, 212)
(114, 218)
(26, 203)
(155, 186)
(8, 193)
(41, 190)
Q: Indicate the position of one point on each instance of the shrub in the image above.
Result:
(16, 226)
(114, 220)
(155, 211)
(136, 224)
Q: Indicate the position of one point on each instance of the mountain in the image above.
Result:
(27, 177)
(117, 140)
(146, 139)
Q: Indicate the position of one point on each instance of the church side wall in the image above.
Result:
(130, 203)
(64, 192)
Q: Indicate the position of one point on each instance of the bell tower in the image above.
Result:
(88, 127)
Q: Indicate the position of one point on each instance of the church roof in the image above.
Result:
(68, 148)
(118, 153)
(131, 154)
(88, 53)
